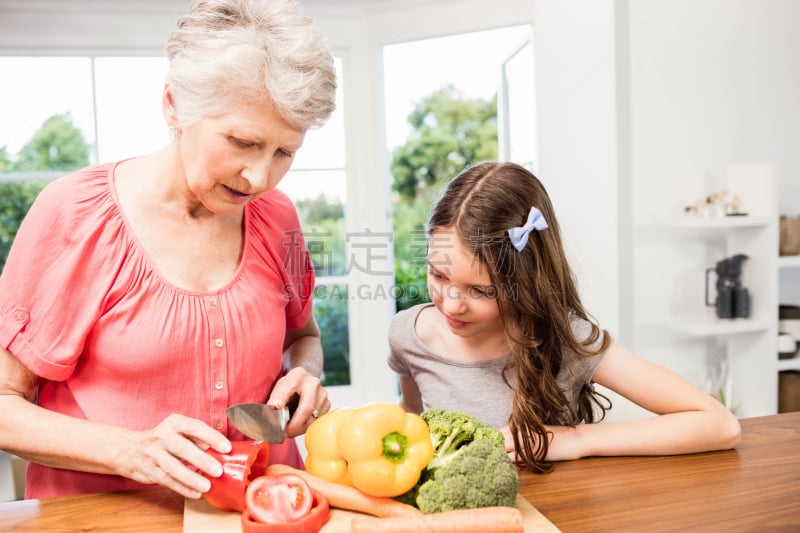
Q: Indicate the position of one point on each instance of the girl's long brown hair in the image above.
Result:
(537, 298)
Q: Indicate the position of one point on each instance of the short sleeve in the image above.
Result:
(55, 280)
(577, 370)
(400, 335)
(275, 226)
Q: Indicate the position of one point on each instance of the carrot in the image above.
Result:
(480, 520)
(347, 497)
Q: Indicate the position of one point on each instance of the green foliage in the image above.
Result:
(450, 133)
(15, 200)
(330, 310)
(323, 229)
(410, 250)
(57, 145)
(319, 209)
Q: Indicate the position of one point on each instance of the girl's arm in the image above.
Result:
(688, 419)
(410, 397)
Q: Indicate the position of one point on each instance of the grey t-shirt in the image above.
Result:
(475, 387)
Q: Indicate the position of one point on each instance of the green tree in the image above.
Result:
(15, 200)
(450, 133)
(330, 310)
(57, 145)
(323, 229)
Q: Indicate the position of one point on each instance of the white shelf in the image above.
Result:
(746, 346)
(789, 261)
(705, 327)
(789, 364)
(719, 223)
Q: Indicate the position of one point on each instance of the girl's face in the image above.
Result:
(460, 287)
(233, 158)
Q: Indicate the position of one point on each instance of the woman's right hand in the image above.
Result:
(172, 454)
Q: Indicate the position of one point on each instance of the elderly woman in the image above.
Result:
(145, 296)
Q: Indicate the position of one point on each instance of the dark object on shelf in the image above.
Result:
(788, 391)
(733, 300)
(789, 235)
(789, 312)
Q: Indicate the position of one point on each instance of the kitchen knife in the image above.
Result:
(262, 422)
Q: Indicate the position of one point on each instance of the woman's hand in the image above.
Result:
(303, 360)
(312, 404)
(172, 454)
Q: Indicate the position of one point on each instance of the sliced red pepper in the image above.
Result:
(247, 460)
(311, 523)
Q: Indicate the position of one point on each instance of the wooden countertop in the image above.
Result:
(755, 487)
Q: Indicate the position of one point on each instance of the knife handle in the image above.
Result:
(292, 404)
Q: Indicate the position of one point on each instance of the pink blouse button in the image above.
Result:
(218, 385)
(20, 315)
(212, 302)
(218, 343)
(218, 425)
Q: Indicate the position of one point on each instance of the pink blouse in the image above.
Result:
(83, 308)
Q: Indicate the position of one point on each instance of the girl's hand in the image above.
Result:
(313, 401)
(506, 431)
(171, 454)
(564, 443)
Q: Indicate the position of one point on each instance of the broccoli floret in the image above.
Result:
(478, 475)
(450, 430)
(470, 467)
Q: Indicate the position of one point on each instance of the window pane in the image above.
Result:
(519, 117)
(319, 197)
(324, 147)
(317, 185)
(129, 117)
(330, 310)
(441, 116)
(38, 89)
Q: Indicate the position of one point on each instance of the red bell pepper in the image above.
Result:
(247, 460)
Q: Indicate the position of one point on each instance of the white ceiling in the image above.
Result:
(110, 6)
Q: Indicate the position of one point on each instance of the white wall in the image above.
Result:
(578, 145)
(712, 83)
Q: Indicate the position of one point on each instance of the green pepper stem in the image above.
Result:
(395, 447)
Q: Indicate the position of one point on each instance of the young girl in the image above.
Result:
(507, 340)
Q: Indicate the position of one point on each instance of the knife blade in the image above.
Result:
(259, 421)
(262, 422)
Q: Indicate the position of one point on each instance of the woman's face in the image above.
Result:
(233, 158)
(460, 287)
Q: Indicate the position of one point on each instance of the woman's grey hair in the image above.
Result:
(228, 51)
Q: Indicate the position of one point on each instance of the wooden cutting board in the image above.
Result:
(199, 516)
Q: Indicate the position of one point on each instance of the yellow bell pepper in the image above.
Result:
(386, 448)
(323, 459)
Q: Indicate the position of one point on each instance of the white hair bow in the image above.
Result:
(519, 235)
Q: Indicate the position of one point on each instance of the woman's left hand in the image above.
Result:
(312, 404)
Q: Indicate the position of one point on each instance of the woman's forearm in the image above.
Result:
(57, 440)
